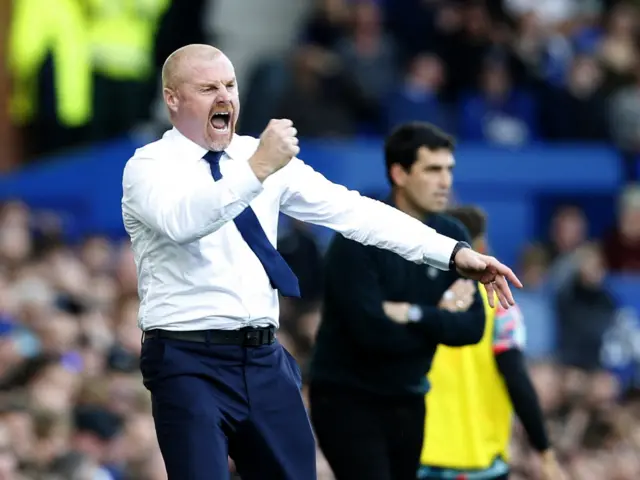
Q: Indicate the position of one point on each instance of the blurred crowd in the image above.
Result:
(504, 72)
(584, 346)
(72, 403)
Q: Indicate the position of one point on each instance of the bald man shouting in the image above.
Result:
(201, 207)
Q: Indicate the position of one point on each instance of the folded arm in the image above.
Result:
(355, 296)
(310, 197)
(454, 329)
(159, 195)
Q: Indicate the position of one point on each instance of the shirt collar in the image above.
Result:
(195, 151)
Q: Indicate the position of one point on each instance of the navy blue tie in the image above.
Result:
(279, 273)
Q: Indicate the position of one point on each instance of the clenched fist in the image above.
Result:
(278, 145)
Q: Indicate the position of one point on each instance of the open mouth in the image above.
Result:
(220, 121)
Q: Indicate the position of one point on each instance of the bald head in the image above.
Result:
(177, 66)
(201, 93)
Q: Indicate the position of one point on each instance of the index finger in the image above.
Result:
(512, 277)
(508, 274)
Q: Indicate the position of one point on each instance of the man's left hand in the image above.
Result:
(397, 311)
(489, 271)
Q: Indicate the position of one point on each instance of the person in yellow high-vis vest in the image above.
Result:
(49, 63)
(122, 40)
(475, 390)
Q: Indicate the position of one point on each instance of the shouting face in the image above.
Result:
(201, 93)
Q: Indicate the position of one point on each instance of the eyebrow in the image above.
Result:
(215, 82)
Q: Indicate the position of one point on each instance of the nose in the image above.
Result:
(446, 179)
(223, 95)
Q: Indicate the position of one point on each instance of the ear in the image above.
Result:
(171, 99)
(398, 175)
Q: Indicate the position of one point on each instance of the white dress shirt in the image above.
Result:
(195, 271)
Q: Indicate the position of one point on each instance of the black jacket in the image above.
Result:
(358, 346)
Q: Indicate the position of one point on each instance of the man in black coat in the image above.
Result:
(368, 370)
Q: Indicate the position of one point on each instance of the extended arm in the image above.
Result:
(157, 193)
(310, 197)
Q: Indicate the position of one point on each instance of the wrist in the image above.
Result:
(446, 299)
(414, 314)
(459, 246)
(260, 168)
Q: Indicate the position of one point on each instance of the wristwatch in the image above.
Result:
(414, 314)
(459, 246)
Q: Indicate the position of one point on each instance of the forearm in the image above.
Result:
(362, 219)
(378, 333)
(386, 227)
(454, 329)
(523, 397)
(354, 295)
(185, 213)
(369, 327)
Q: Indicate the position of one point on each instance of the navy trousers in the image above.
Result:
(212, 400)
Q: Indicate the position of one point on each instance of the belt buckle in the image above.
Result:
(252, 338)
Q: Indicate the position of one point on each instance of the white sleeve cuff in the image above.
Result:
(438, 251)
(242, 182)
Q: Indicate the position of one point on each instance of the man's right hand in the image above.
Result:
(459, 296)
(278, 145)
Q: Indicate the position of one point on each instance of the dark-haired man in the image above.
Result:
(383, 319)
(480, 386)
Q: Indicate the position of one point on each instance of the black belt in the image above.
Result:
(247, 337)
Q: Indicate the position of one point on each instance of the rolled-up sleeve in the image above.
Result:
(184, 208)
(310, 197)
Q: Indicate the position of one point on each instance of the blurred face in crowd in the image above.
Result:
(568, 229)
(367, 18)
(592, 269)
(53, 388)
(59, 334)
(15, 240)
(546, 380)
(21, 431)
(622, 20)
(426, 186)
(427, 72)
(585, 76)
(630, 222)
(8, 461)
(201, 93)
(496, 82)
(139, 438)
(603, 389)
(96, 254)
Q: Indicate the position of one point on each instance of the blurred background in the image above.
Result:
(543, 95)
